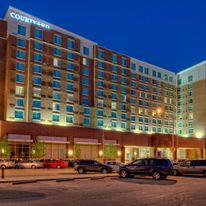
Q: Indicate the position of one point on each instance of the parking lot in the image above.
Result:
(183, 190)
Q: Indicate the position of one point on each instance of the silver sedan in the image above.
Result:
(29, 164)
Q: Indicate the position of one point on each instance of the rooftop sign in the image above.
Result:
(28, 20)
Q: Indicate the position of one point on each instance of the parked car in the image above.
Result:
(28, 164)
(83, 166)
(190, 167)
(157, 168)
(55, 164)
(7, 164)
(70, 163)
(114, 165)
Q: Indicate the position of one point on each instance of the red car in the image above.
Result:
(55, 164)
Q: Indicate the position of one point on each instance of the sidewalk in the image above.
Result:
(34, 175)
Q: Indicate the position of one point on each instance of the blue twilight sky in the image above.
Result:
(167, 33)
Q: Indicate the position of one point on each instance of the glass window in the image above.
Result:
(55, 117)
(85, 101)
(154, 73)
(70, 44)
(86, 51)
(190, 78)
(70, 108)
(56, 84)
(100, 93)
(57, 62)
(20, 66)
(114, 124)
(70, 77)
(114, 58)
(57, 52)
(141, 69)
(56, 106)
(36, 92)
(114, 115)
(86, 110)
(114, 77)
(38, 33)
(20, 90)
(57, 73)
(19, 78)
(124, 61)
(22, 30)
(114, 87)
(38, 46)
(37, 69)
(100, 64)
(70, 97)
(85, 91)
(70, 66)
(124, 71)
(114, 69)
(85, 81)
(100, 112)
(100, 54)
(70, 87)
(19, 114)
(123, 125)
(114, 96)
(37, 80)
(146, 70)
(100, 74)
(36, 104)
(69, 119)
(70, 55)
(85, 71)
(86, 121)
(100, 122)
(37, 57)
(21, 43)
(133, 66)
(19, 102)
(123, 116)
(20, 54)
(57, 39)
(159, 75)
(56, 95)
(36, 115)
(85, 61)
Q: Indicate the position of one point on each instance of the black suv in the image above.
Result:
(83, 166)
(157, 168)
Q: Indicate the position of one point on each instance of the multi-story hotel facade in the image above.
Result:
(69, 92)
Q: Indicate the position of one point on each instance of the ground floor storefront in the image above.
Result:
(85, 143)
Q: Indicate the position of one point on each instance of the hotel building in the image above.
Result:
(71, 93)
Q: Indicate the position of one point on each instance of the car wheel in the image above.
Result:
(33, 166)
(164, 177)
(16, 167)
(175, 172)
(156, 175)
(58, 166)
(104, 171)
(123, 173)
(3, 166)
(80, 170)
(204, 173)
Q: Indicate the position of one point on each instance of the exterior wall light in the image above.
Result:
(70, 152)
(100, 152)
(119, 153)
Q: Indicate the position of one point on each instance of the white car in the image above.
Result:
(114, 165)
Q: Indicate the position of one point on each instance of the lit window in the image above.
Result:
(36, 92)
(19, 90)
(57, 62)
(113, 105)
(85, 61)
